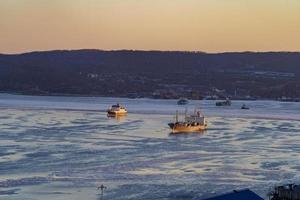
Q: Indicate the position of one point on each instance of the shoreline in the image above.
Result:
(128, 97)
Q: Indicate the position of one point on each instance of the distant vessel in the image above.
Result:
(182, 101)
(224, 103)
(288, 99)
(191, 123)
(117, 110)
(244, 107)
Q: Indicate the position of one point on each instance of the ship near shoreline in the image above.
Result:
(182, 101)
(244, 107)
(227, 102)
(191, 123)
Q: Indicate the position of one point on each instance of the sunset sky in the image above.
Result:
(193, 25)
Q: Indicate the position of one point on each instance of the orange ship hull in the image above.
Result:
(183, 128)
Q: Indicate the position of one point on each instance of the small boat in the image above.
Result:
(224, 103)
(117, 110)
(182, 101)
(191, 123)
(244, 107)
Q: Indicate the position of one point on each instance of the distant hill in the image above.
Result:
(152, 73)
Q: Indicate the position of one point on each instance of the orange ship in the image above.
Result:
(191, 123)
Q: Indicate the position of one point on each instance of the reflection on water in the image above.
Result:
(117, 117)
(187, 134)
(66, 153)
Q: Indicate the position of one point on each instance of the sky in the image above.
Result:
(184, 25)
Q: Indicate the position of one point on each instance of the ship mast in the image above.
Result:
(176, 117)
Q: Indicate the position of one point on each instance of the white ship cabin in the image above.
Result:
(117, 107)
(198, 117)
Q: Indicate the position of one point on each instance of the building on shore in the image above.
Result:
(285, 192)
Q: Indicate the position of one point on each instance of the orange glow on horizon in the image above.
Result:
(193, 25)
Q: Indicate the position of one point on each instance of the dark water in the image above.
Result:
(64, 147)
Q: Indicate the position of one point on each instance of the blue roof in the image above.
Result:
(238, 195)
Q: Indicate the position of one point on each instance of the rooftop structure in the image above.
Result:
(285, 192)
(237, 195)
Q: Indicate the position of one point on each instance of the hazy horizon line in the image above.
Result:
(148, 50)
